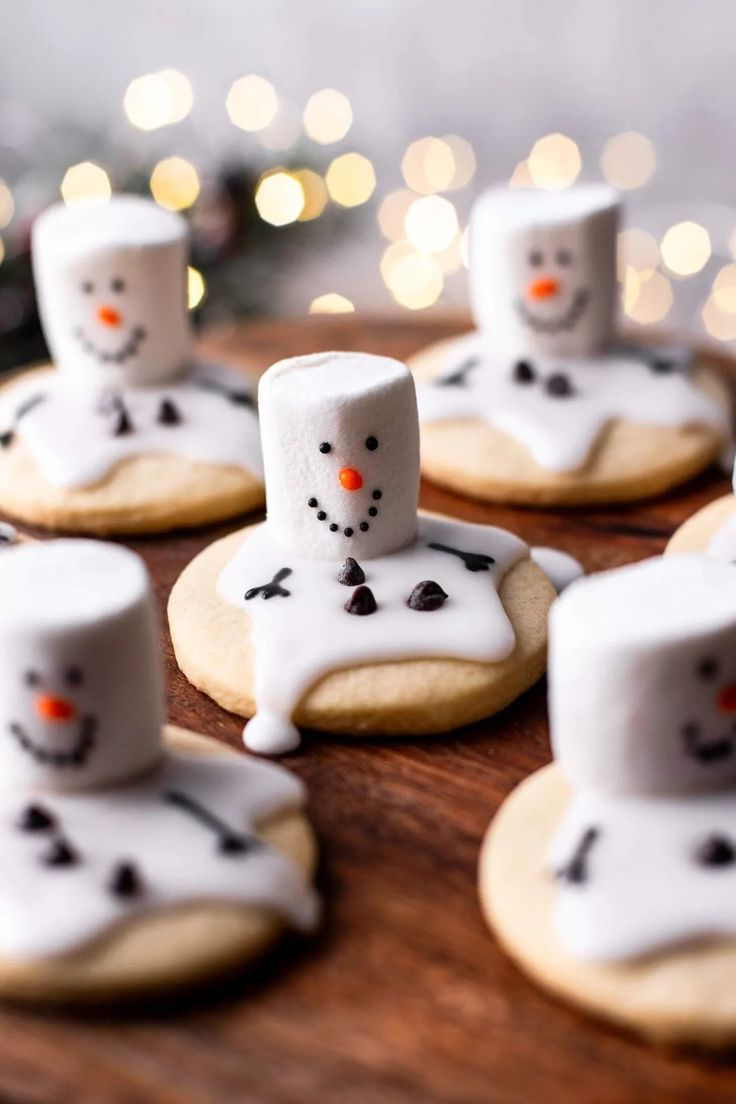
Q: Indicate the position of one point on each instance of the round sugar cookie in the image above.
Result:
(416, 697)
(173, 948)
(150, 493)
(681, 996)
(695, 534)
(630, 460)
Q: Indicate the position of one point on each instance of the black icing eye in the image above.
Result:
(707, 669)
(73, 676)
(325, 447)
(536, 258)
(32, 678)
(117, 284)
(371, 443)
(563, 257)
(87, 287)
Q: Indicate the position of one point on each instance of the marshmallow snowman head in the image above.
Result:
(642, 677)
(543, 270)
(81, 697)
(111, 286)
(341, 455)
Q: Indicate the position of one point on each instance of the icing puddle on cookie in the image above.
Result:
(77, 434)
(558, 407)
(306, 633)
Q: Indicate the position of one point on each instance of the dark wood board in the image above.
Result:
(404, 998)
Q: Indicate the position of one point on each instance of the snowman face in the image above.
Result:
(49, 719)
(341, 454)
(709, 731)
(113, 311)
(543, 277)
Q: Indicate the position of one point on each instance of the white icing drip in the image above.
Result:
(560, 568)
(644, 889)
(46, 911)
(301, 638)
(722, 544)
(73, 444)
(560, 432)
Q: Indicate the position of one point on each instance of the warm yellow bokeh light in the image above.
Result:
(685, 248)
(85, 183)
(631, 281)
(331, 303)
(252, 102)
(392, 254)
(465, 247)
(315, 194)
(351, 179)
(554, 162)
(392, 212)
(415, 281)
(158, 99)
(521, 177)
(451, 259)
(650, 301)
(465, 163)
(628, 160)
(196, 287)
(328, 116)
(719, 323)
(724, 289)
(280, 198)
(431, 224)
(7, 204)
(429, 166)
(636, 249)
(175, 183)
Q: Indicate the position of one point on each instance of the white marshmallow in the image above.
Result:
(340, 444)
(642, 678)
(111, 285)
(81, 697)
(543, 270)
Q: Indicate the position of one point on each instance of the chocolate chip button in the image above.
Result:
(558, 385)
(351, 573)
(60, 853)
(715, 851)
(168, 413)
(361, 602)
(427, 595)
(34, 818)
(125, 881)
(523, 372)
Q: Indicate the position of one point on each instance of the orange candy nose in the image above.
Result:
(543, 289)
(108, 316)
(351, 479)
(727, 698)
(54, 709)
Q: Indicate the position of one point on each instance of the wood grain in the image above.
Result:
(404, 998)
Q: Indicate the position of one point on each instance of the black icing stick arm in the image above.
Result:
(25, 408)
(576, 870)
(229, 842)
(458, 377)
(474, 561)
(234, 395)
(273, 589)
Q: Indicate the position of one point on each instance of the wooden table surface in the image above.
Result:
(404, 997)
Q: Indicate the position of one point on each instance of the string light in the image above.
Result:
(450, 259)
(280, 198)
(628, 160)
(724, 289)
(719, 323)
(685, 248)
(431, 224)
(315, 194)
(415, 281)
(252, 102)
(650, 300)
(331, 303)
(328, 116)
(554, 162)
(521, 177)
(158, 99)
(428, 165)
(638, 249)
(465, 163)
(175, 183)
(85, 183)
(392, 254)
(351, 179)
(196, 287)
(7, 204)
(392, 212)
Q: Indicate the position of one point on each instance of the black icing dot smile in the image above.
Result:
(348, 530)
(129, 349)
(707, 751)
(73, 757)
(566, 321)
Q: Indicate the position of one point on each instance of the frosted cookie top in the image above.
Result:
(81, 697)
(642, 677)
(111, 284)
(543, 270)
(341, 455)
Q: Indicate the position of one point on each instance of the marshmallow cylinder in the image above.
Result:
(543, 270)
(642, 678)
(81, 693)
(340, 443)
(111, 282)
